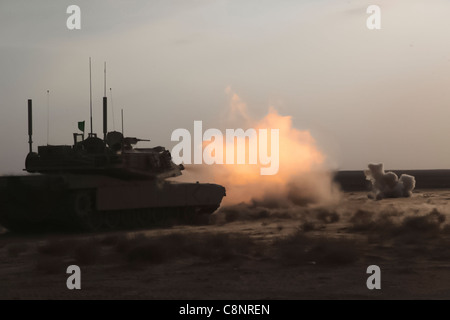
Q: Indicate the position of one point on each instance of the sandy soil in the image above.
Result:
(294, 253)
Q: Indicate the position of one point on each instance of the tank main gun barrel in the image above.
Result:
(30, 125)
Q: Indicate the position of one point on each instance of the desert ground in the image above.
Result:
(249, 252)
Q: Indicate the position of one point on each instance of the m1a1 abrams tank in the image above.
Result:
(98, 184)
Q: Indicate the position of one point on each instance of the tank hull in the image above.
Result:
(40, 203)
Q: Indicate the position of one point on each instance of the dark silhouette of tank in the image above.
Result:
(98, 184)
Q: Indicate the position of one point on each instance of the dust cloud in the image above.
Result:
(387, 184)
(302, 178)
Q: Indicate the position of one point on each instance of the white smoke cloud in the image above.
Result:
(388, 185)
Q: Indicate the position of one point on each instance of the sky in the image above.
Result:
(365, 95)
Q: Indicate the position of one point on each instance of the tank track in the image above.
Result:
(47, 207)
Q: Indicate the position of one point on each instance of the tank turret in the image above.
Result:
(115, 155)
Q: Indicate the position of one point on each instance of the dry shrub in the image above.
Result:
(308, 226)
(327, 216)
(366, 221)
(110, 240)
(270, 202)
(156, 250)
(419, 228)
(389, 225)
(15, 249)
(256, 210)
(362, 220)
(51, 265)
(84, 252)
(57, 247)
(150, 250)
(124, 243)
(446, 229)
(231, 215)
(429, 224)
(220, 246)
(244, 211)
(87, 252)
(298, 249)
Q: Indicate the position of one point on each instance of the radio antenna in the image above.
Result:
(105, 110)
(123, 133)
(112, 109)
(105, 82)
(48, 114)
(90, 92)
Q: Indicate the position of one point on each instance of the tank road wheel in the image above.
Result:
(188, 215)
(158, 216)
(202, 216)
(134, 219)
(111, 220)
(84, 208)
(144, 218)
(153, 213)
(128, 219)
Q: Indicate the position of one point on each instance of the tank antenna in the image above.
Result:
(112, 109)
(105, 111)
(123, 132)
(105, 82)
(48, 115)
(30, 125)
(90, 93)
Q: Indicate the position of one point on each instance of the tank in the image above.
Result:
(101, 184)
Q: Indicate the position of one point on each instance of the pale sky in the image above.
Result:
(366, 96)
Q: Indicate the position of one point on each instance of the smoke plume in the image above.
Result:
(302, 178)
(388, 185)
